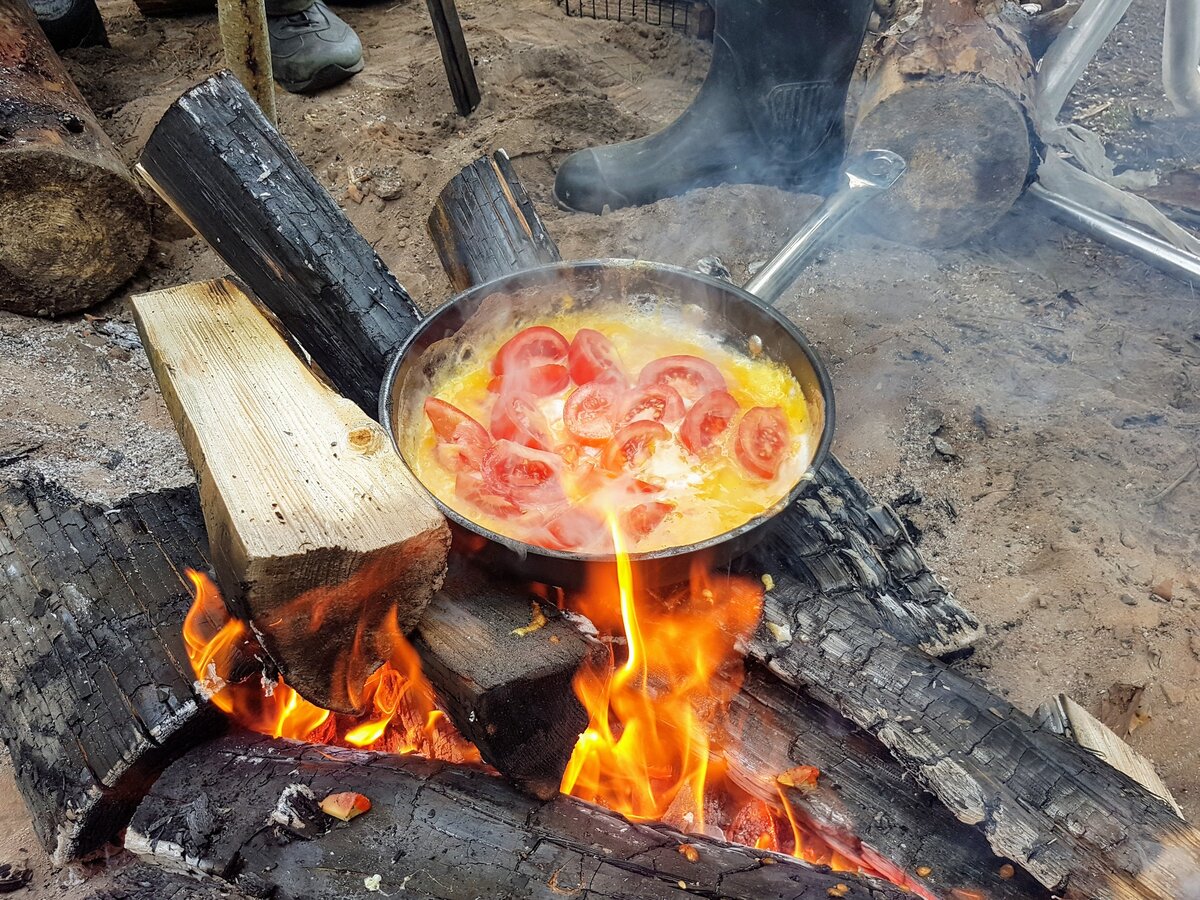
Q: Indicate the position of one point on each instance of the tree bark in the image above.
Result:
(1080, 827)
(438, 831)
(229, 174)
(95, 685)
(322, 539)
(75, 226)
(947, 90)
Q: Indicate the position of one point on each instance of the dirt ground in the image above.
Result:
(1061, 377)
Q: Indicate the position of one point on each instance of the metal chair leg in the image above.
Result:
(1181, 56)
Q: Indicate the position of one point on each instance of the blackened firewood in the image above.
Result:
(147, 882)
(1076, 824)
(460, 71)
(95, 685)
(441, 831)
(226, 170)
(504, 674)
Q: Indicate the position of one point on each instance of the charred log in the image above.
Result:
(460, 71)
(1080, 827)
(229, 174)
(146, 882)
(95, 685)
(75, 225)
(434, 830)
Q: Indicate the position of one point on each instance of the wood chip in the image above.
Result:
(345, 805)
(803, 778)
(1125, 708)
(690, 852)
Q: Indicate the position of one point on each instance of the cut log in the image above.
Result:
(74, 222)
(227, 172)
(460, 71)
(95, 686)
(1080, 827)
(485, 226)
(947, 90)
(247, 47)
(434, 830)
(503, 668)
(863, 803)
(321, 538)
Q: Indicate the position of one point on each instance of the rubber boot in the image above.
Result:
(770, 111)
(311, 48)
(70, 23)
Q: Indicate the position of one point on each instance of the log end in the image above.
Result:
(74, 231)
(969, 153)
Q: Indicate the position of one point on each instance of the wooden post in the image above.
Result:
(460, 71)
(248, 49)
(73, 224)
(948, 93)
(319, 534)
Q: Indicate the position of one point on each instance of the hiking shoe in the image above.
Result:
(312, 49)
(70, 23)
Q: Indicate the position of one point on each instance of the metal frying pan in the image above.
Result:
(726, 312)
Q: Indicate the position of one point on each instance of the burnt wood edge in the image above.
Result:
(96, 692)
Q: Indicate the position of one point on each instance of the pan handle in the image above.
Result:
(867, 175)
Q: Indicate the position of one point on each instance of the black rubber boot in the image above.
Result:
(311, 48)
(70, 23)
(770, 111)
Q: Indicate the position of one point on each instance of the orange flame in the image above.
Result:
(402, 717)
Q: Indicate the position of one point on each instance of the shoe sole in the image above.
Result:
(323, 78)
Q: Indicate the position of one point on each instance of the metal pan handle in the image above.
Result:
(867, 175)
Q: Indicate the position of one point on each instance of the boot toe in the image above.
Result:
(581, 184)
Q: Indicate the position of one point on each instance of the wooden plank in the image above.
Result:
(320, 536)
(460, 71)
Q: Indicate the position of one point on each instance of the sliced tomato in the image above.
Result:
(707, 420)
(632, 445)
(540, 381)
(461, 440)
(692, 376)
(640, 520)
(526, 476)
(590, 413)
(592, 354)
(516, 417)
(577, 529)
(470, 487)
(531, 347)
(762, 441)
(654, 403)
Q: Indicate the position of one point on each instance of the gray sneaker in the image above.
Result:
(312, 49)
(70, 23)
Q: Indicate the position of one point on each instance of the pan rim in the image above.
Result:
(523, 549)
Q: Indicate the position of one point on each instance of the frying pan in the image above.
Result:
(678, 297)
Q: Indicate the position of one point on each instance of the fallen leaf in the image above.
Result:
(345, 805)
(803, 778)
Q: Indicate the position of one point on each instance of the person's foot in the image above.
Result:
(70, 23)
(312, 49)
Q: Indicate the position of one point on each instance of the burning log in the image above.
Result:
(947, 91)
(434, 830)
(95, 688)
(321, 539)
(75, 225)
(229, 174)
(1077, 825)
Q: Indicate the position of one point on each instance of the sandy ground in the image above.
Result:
(1062, 376)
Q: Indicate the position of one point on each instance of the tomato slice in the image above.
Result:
(540, 381)
(461, 440)
(632, 445)
(762, 441)
(692, 376)
(640, 520)
(654, 403)
(590, 412)
(708, 420)
(592, 354)
(516, 417)
(577, 529)
(470, 487)
(531, 347)
(526, 476)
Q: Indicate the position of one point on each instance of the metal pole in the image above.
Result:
(1072, 50)
(1181, 56)
(1116, 234)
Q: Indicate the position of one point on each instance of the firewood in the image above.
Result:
(460, 70)
(95, 687)
(439, 831)
(505, 678)
(947, 89)
(1080, 827)
(75, 226)
(320, 536)
(225, 169)
(247, 47)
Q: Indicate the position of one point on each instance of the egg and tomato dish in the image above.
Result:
(586, 420)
